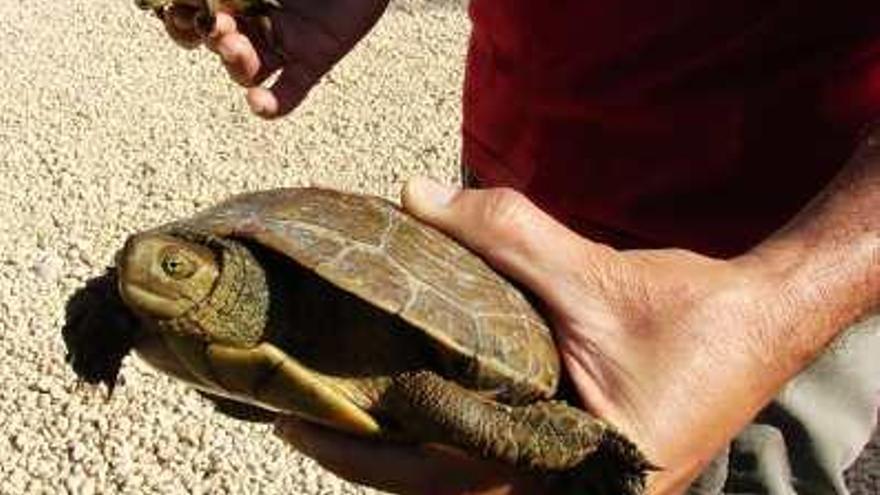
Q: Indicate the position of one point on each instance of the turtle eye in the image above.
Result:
(176, 264)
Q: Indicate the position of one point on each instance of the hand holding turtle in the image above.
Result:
(665, 344)
(344, 311)
(301, 38)
(415, 470)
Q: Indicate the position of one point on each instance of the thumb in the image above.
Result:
(511, 234)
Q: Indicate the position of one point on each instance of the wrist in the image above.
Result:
(724, 325)
(813, 287)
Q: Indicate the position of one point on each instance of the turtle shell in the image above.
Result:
(371, 248)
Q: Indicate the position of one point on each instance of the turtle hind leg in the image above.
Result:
(579, 452)
(616, 467)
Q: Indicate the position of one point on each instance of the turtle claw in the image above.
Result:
(109, 396)
(93, 391)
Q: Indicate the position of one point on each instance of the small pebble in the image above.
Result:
(107, 128)
(48, 267)
(76, 452)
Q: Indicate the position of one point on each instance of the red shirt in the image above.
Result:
(704, 125)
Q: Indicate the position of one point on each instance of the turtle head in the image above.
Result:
(165, 276)
(196, 285)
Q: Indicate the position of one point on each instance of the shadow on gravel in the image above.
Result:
(99, 331)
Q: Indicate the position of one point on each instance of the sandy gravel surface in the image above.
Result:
(106, 128)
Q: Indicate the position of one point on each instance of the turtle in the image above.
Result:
(343, 310)
(205, 10)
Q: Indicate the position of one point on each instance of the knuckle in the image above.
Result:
(504, 210)
(504, 218)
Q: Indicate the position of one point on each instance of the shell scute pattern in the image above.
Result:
(364, 272)
(308, 247)
(445, 318)
(527, 349)
(240, 215)
(446, 267)
(353, 218)
(367, 246)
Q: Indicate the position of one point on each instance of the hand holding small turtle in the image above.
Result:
(665, 344)
(342, 310)
(302, 38)
(405, 469)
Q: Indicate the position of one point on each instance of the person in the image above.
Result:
(692, 189)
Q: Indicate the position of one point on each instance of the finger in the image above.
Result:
(239, 58)
(281, 98)
(223, 24)
(243, 49)
(269, 50)
(511, 233)
(395, 468)
(180, 25)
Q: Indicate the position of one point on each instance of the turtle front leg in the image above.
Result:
(587, 454)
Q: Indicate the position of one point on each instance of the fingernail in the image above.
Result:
(437, 194)
(256, 108)
(257, 102)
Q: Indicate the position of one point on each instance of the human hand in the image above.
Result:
(303, 39)
(404, 469)
(669, 346)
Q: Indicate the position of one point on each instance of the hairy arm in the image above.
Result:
(790, 297)
(678, 350)
(826, 262)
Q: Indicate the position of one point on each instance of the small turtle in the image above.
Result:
(206, 10)
(345, 311)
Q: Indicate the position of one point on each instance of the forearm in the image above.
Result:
(787, 299)
(823, 269)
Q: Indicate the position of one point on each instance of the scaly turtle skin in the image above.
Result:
(345, 311)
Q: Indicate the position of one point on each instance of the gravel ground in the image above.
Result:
(107, 128)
